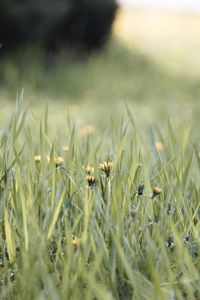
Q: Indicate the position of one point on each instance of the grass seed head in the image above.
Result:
(106, 167)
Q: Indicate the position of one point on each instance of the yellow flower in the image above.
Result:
(58, 161)
(37, 158)
(65, 148)
(159, 146)
(90, 180)
(156, 191)
(76, 241)
(89, 170)
(106, 167)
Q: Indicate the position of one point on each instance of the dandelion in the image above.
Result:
(89, 170)
(76, 241)
(37, 158)
(58, 161)
(65, 148)
(106, 167)
(156, 191)
(140, 190)
(90, 180)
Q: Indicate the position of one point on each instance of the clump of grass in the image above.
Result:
(60, 239)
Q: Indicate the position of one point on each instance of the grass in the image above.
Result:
(61, 239)
(68, 233)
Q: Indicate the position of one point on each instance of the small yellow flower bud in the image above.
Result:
(106, 167)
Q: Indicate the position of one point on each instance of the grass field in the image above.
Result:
(127, 227)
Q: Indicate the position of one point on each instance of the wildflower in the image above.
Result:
(140, 190)
(76, 241)
(37, 158)
(89, 170)
(58, 161)
(106, 167)
(159, 146)
(156, 191)
(65, 148)
(90, 180)
(170, 242)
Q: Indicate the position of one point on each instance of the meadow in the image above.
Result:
(100, 167)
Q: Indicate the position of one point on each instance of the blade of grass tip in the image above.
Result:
(21, 122)
(161, 137)
(69, 120)
(163, 167)
(10, 242)
(41, 141)
(196, 211)
(152, 141)
(46, 119)
(186, 172)
(197, 154)
(130, 116)
(55, 215)
(171, 132)
(68, 204)
(19, 102)
(72, 136)
(64, 172)
(17, 155)
(112, 133)
(87, 145)
(24, 218)
(52, 169)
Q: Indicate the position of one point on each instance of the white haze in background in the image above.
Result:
(171, 4)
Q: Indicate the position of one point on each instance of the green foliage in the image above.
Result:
(83, 23)
(60, 239)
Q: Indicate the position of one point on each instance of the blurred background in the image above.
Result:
(91, 55)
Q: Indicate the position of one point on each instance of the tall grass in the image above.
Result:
(61, 239)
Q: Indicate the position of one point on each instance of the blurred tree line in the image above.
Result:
(84, 24)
